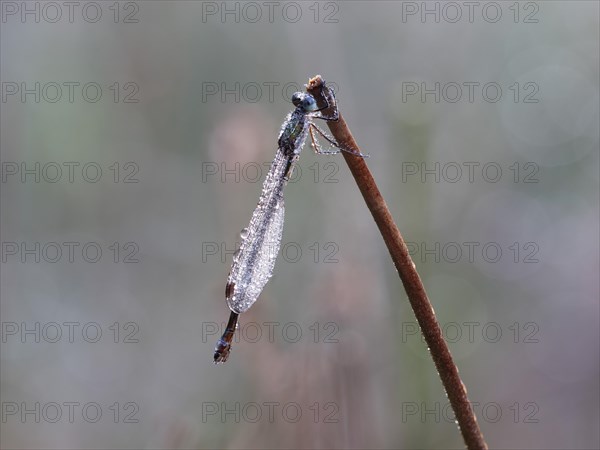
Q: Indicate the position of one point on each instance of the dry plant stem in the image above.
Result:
(457, 393)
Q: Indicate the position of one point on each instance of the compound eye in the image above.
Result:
(309, 103)
(297, 98)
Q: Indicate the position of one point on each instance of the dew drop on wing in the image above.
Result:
(251, 279)
(244, 233)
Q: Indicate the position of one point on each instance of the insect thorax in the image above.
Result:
(293, 132)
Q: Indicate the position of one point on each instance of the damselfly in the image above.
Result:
(253, 262)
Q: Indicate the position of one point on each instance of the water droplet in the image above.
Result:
(244, 233)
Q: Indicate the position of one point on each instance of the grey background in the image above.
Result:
(365, 380)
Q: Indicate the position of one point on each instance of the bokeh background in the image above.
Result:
(183, 129)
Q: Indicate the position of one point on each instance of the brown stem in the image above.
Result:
(457, 393)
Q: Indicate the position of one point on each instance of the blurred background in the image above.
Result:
(135, 137)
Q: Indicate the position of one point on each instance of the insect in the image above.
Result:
(254, 261)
